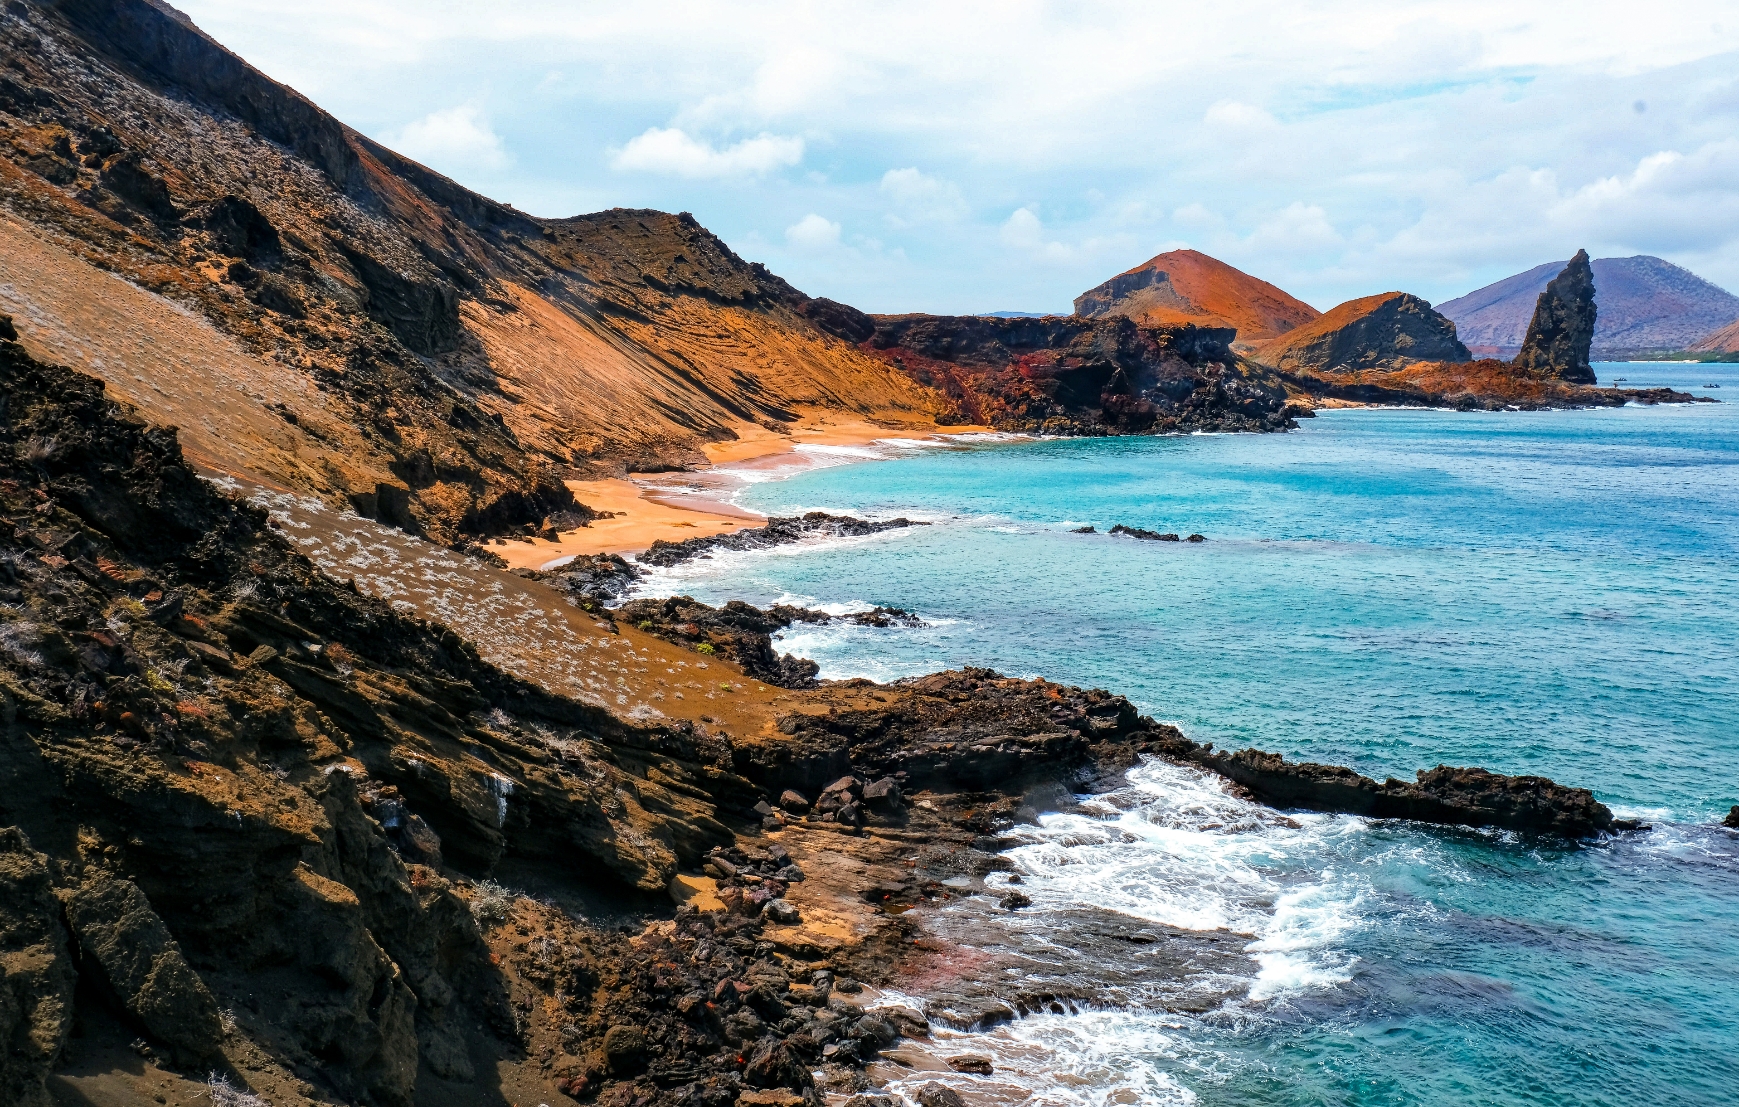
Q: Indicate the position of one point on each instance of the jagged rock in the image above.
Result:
(972, 1063)
(1732, 819)
(121, 938)
(1464, 797)
(781, 912)
(1144, 535)
(1067, 375)
(1382, 332)
(935, 1094)
(775, 532)
(1562, 330)
(36, 975)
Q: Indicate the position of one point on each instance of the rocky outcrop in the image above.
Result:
(1189, 288)
(1459, 797)
(775, 532)
(736, 632)
(125, 945)
(36, 974)
(1562, 330)
(1063, 375)
(1383, 332)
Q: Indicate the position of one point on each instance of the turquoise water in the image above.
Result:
(1552, 593)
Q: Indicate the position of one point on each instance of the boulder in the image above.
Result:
(935, 1094)
(121, 939)
(972, 1063)
(1562, 331)
(625, 1049)
(793, 801)
(781, 912)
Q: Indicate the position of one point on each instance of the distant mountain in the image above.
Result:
(1388, 331)
(1015, 314)
(1646, 305)
(1186, 286)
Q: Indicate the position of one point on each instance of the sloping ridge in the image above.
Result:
(1385, 331)
(1723, 341)
(1646, 305)
(440, 360)
(1187, 286)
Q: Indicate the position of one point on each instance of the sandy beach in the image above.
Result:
(675, 506)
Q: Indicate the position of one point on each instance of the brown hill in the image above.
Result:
(1723, 341)
(320, 313)
(1385, 331)
(1189, 287)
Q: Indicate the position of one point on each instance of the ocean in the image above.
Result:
(1553, 593)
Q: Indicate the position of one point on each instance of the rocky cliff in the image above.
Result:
(1562, 330)
(318, 312)
(1186, 287)
(252, 820)
(1382, 332)
(1647, 305)
(1068, 375)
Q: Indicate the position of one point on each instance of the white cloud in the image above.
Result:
(454, 141)
(672, 151)
(1239, 116)
(918, 198)
(1442, 143)
(813, 232)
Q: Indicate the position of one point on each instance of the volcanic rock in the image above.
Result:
(1386, 331)
(1465, 797)
(122, 938)
(775, 532)
(36, 974)
(1648, 306)
(1562, 330)
(934, 1094)
(1065, 375)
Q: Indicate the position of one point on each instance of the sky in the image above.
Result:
(958, 157)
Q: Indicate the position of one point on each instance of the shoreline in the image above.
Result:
(697, 504)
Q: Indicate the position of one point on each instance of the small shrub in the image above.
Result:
(492, 903)
(706, 648)
(224, 1094)
(645, 624)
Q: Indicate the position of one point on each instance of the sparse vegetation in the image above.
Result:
(224, 1094)
(491, 903)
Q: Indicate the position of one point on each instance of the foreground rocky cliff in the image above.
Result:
(254, 818)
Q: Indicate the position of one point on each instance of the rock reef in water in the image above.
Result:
(775, 532)
(1383, 332)
(1562, 330)
(1459, 797)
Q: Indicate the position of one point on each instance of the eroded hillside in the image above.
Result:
(362, 327)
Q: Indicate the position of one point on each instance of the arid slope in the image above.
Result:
(1189, 287)
(376, 332)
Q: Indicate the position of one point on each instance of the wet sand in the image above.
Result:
(676, 506)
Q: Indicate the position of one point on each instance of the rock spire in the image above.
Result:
(1563, 327)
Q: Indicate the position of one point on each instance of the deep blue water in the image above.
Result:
(1553, 593)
